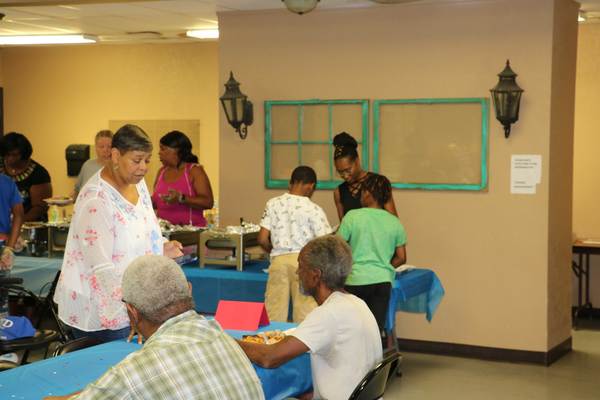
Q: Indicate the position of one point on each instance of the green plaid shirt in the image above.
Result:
(188, 357)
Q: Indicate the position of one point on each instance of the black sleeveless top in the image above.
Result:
(350, 202)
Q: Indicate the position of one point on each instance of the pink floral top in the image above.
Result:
(107, 232)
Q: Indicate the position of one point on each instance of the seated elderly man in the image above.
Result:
(341, 334)
(185, 355)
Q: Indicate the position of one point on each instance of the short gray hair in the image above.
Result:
(104, 133)
(156, 286)
(131, 138)
(333, 256)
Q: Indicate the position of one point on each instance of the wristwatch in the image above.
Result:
(181, 198)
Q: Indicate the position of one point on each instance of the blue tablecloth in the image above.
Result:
(73, 371)
(290, 379)
(416, 291)
(37, 272)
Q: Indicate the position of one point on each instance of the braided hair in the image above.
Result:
(379, 186)
(345, 146)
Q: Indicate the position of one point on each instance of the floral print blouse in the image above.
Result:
(107, 232)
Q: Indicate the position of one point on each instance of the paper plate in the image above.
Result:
(59, 201)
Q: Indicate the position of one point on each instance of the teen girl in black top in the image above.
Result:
(347, 164)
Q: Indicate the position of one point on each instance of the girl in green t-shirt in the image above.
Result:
(378, 244)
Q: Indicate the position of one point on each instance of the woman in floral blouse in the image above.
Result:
(113, 223)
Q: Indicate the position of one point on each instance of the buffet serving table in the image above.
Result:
(417, 291)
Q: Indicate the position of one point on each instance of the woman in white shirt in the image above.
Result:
(113, 223)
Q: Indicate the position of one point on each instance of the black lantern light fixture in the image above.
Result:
(506, 96)
(238, 109)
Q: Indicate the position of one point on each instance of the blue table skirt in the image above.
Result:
(214, 283)
(73, 371)
(416, 291)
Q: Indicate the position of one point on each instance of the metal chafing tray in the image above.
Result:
(221, 239)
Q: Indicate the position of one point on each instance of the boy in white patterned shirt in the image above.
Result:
(289, 222)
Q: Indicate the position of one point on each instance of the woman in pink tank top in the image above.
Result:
(182, 189)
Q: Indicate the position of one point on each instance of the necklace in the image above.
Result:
(18, 176)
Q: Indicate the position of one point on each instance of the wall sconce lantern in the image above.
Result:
(507, 98)
(238, 109)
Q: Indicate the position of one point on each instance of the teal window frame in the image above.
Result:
(482, 185)
(363, 140)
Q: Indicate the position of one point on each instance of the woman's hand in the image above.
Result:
(171, 197)
(133, 332)
(7, 258)
(173, 249)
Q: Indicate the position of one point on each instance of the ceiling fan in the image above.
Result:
(304, 6)
(394, 1)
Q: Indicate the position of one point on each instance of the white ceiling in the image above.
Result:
(149, 20)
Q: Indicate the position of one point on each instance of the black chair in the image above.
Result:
(42, 337)
(74, 345)
(6, 365)
(48, 306)
(374, 383)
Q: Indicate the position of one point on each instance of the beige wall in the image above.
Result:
(62, 95)
(490, 249)
(564, 55)
(1, 69)
(586, 190)
(586, 165)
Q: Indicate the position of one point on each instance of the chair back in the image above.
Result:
(76, 344)
(41, 339)
(6, 365)
(373, 384)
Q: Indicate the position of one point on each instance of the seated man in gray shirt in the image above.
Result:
(341, 334)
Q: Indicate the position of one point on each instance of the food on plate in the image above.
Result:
(59, 200)
(268, 337)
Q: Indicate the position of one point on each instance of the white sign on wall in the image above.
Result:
(525, 173)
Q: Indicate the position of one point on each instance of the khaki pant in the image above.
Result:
(283, 282)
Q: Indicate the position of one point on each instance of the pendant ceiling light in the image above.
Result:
(300, 6)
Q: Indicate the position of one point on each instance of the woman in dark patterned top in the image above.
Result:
(32, 179)
(347, 164)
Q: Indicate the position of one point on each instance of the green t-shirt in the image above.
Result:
(374, 234)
